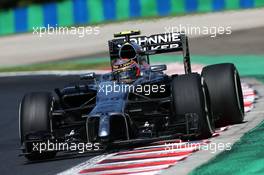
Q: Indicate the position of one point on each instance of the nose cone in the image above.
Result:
(104, 126)
(103, 133)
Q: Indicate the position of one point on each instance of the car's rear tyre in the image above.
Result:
(225, 91)
(189, 95)
(34, 117)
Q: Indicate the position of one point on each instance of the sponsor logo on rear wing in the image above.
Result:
(159, 41)
(154, 44)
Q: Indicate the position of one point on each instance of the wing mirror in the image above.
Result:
(158, 68)
(88, 76)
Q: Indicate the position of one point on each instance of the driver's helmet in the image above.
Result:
(126, 70)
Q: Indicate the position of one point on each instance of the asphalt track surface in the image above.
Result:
(13, 88)
(242, 42)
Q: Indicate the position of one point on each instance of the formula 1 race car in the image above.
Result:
(136, 102)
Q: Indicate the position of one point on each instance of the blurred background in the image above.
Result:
(22, 15)
(23, 49)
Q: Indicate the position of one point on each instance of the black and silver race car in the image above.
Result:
(189, 105)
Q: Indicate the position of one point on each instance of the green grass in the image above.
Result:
(248, 65)
(245, 157)
(78, 64)
(259, 77)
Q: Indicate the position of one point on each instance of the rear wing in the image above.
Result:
(155, 44)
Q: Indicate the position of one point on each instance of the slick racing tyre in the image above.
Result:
(34, 116)
(190, 97)
(225, 92)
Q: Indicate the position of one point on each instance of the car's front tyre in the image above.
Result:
(34, 117)
(190, 96)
